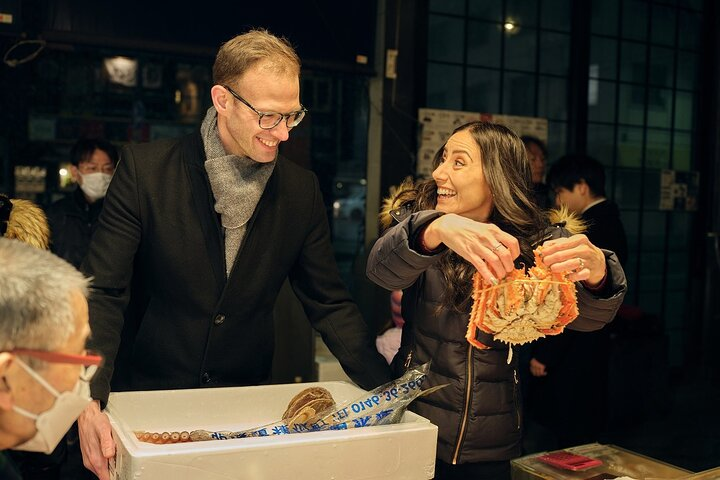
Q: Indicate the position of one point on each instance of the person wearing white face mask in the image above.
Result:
(44, 368)
(73, 218)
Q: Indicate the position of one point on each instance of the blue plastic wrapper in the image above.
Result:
(381, 406)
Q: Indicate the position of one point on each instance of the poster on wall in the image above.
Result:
(437, 125)
(679, 190)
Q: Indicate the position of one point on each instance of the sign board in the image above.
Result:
(679, 190)
(437, 125)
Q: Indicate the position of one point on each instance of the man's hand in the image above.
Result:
(96, 442)
(537, 369)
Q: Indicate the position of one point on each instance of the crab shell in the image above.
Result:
(523, 306)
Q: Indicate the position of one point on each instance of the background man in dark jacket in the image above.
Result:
(568, 390)
(196, 238)
(73, 218)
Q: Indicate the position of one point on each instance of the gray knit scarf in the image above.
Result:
(237, 184)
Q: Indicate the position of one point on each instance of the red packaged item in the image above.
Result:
(569, 461)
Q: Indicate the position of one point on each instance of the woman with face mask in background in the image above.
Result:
(43, 329)
(73, 218)
(476, 213)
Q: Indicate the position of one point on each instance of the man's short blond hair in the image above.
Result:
(240, 53)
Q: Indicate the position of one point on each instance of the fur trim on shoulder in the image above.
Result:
(400, 195)
(28, 224)
(565, 218)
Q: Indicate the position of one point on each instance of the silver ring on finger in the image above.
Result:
(582, 264)
(496, 247)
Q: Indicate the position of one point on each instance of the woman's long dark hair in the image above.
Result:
(507, 172)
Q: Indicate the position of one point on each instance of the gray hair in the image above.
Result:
(36, 289)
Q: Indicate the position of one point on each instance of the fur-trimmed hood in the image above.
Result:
(400, 203)
(27, 222)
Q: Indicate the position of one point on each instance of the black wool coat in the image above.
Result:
(162, 311)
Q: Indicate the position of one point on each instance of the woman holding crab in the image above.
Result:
(476, 215)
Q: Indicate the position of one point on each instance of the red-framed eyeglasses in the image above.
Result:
(89, 359)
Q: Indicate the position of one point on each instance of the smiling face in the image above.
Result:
(266, 90)
(461, 185)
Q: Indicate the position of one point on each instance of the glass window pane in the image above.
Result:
(519, 94)
(651, 191)
(651, 275)
(627, 193)
(679, 235)
(659, 108)
(652, 233)
(631, 221)
(555, 14)
(675, 302)
(552, 97)
(632, 62)
(662, 66)
(455, 7)
(522, 12)
(682, 151)
(649, 301)
(484, 43)
(687, 70)
(601, 144)
(444, 86)
(657, 151)
(690, 29)
(683, 110)
(483, 90)
(605, 17)
(601, 101)
(603, 58)
(631, 107)
(663, 25)
(520, 49)
(487, 10)
(634, 25)
(630, 142)
(554, 53)
(446, 39)
(557, 139)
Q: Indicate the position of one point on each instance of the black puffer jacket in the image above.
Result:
(479, 414)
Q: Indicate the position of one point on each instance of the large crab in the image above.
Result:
(523, 306)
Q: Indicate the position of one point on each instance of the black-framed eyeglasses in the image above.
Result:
(269, 120)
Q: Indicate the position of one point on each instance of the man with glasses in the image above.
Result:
(43, 329)
(198, 235)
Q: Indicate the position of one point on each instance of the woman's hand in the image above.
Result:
(577, 255)
(490, 250)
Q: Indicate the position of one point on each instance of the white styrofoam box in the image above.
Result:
(404, 450)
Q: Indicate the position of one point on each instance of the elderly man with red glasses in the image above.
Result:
(44, 367)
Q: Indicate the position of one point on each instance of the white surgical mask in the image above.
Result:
(95, 185)
(53, 423)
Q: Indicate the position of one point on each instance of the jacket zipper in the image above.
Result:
(466, 407)
(515, 398)
(408, 359)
